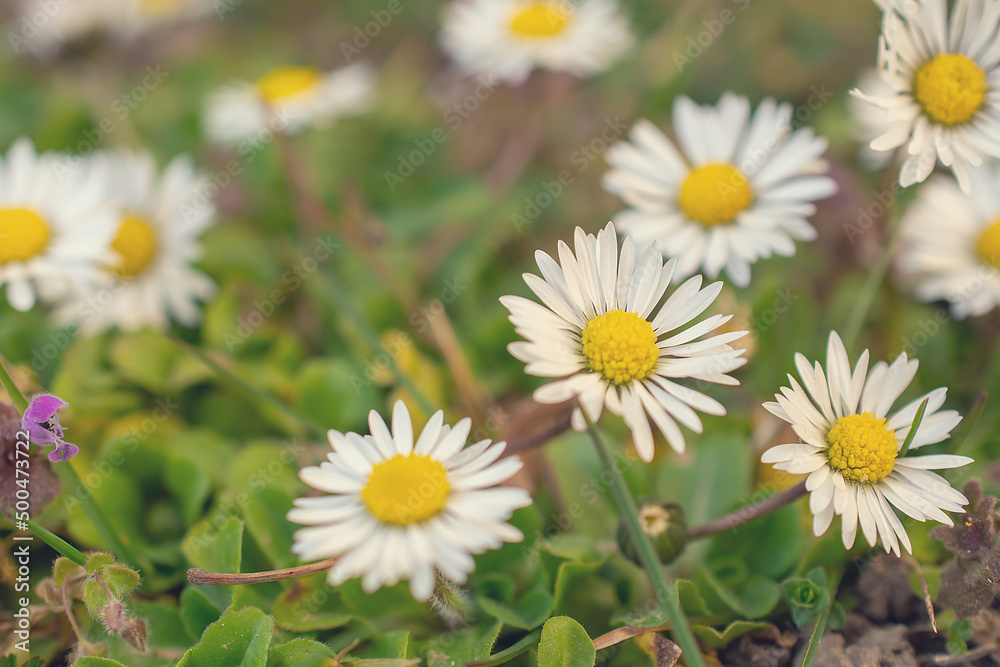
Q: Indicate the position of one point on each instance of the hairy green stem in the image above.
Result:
(665, 591)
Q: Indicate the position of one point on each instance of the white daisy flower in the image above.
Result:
(55, 225)
(741, 190)
(951, 243)
(850, 442)
(944, 73)
(506, 39)
(150, 277)
(54, 25)
(598, 334)
(869, 121)
(288, 99)
(401, 509)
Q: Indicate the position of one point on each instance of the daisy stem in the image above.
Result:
(199, 577)
(372, 339)
(240, 383)
(63, 547)
(749, 513)
(16, 397)
(71, 482)
(866, 297)
(817, 634)
(665, 590)
(975, 412)
(917, 418)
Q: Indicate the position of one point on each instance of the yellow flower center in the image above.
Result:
(23, 234)
(159, 7)
(950, 89)
(989, 245)
(621, 346)
(540, 19)
(286, 82)
(715, 193)
(862, 448)
(136, 244)
(406, 489)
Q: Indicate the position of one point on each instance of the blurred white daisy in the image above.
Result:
(944, 102)
(54, 25)
(600, 333)
(741, 190)
(401, 509)
(869, 121)
(150, 277)
(506, 39)
(288, 99)
(951, 243)
(55, 225)
(850, 442)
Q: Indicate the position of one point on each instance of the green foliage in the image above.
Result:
(713, 639)
(194, 470)
(310, 604)
(807, 596)
(238, 639)
(565, 643)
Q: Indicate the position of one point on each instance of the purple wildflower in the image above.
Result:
(41, 422)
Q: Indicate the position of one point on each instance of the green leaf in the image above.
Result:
(806, 596)
(198, 611)
(333, 392)
(99, 560)
(11, 661)
(475, 643)
(383, 662)
(145, 359)
(300, 653)
(310, 604)
(166, 627)
(91, 661)
(496, 593)
(691, 601)
(713, 640)
(394, 599)
(189, 485)
(750, 596)
(62, 568)
(565, 643)
(265, 520)
(394, 644)
(215, 546)
(770, 545)
(238, 639)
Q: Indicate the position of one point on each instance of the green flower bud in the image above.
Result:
(664, 524)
